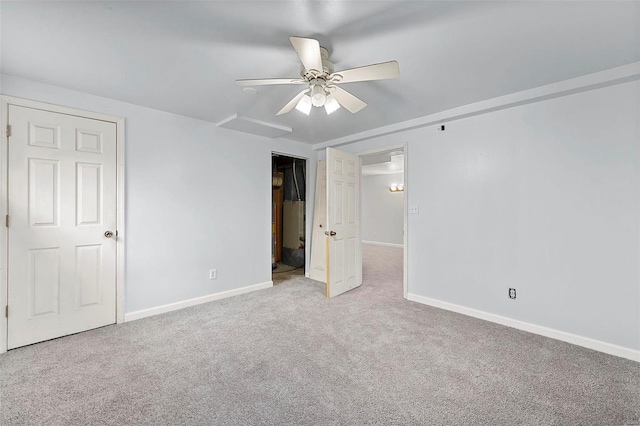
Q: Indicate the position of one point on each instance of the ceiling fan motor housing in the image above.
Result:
(327, 67)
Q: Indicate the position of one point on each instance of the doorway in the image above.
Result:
(288, 227)
(339, 257)
(383, 216)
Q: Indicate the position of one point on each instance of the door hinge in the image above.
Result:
(8, 130)
(6, 311)
(6, 221)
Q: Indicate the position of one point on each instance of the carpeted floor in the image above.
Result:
(288, 356)
(285, 273)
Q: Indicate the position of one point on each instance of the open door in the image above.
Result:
(344, 247)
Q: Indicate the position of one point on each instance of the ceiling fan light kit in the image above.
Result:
(304, 105)
(331, 105)
(318, 93)
(318, 74)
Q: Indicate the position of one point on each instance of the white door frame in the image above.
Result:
(405, 177)
(5, 101)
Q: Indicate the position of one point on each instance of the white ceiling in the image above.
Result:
(183, 57)
(384, 162)
(392, 165)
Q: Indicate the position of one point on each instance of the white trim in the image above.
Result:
(587, 82)
(132, 316)
(586, 342)
(11, 100)
(4, 325)
(5, 101)
(405, 227)
(376, 243)
(121, 233)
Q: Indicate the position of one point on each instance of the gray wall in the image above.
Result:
(543, 197)
(197, 197)
(382, 210)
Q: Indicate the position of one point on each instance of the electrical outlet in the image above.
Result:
(512, 293)
(414, 209)
(213, 274)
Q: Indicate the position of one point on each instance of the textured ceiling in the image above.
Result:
(183, 57)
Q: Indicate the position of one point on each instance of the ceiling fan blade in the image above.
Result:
(268, 81)
(347, 100)
(292, 103)
(309, 52)
(381, 71)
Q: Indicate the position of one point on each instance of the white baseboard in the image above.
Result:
(375, 243)
(586, 342)
(131, 316)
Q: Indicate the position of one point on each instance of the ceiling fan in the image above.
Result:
(322, 81)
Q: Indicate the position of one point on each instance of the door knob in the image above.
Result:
(108, 234)
(332, 233)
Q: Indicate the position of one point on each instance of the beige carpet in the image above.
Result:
(287, 356)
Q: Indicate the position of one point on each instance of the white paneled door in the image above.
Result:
(62, 219)
(344, 246)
